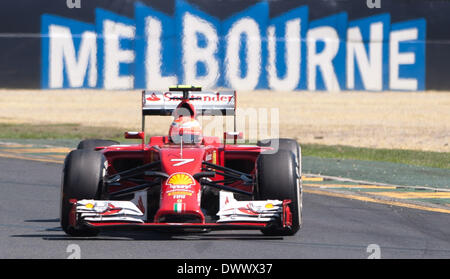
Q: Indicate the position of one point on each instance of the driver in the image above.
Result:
(186, 129)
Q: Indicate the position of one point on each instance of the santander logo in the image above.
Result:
(215, 97)
(153, 98)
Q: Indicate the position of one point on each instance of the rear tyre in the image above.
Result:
(277, 178)
(93, 143)
(82, 178)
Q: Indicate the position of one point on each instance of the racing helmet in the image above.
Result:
(185, 129)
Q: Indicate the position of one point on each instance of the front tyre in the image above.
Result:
(277, 178)
(82, 178)
(293, 146)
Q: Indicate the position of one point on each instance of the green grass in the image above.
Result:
(410, 157)
(78, 132)
(57, 131)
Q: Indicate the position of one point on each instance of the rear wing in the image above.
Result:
(204, 102)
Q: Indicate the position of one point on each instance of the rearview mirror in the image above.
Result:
(135, 135)
(232, 135)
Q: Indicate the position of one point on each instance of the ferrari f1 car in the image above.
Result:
(184, 181)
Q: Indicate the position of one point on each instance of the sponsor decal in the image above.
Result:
(180, 185)
(153, 98)
(214, 157)
(181, 161)
(216, 97)
(247, 210)
(208, 157)
(180, 178)
(179, 193)
(269, 205)
(111, 210)
(246, 51)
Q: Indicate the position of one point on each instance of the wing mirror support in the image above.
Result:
(232, 135)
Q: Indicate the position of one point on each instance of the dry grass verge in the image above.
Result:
(418, 121)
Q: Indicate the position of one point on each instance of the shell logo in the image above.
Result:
(180, 179)
(269, 205)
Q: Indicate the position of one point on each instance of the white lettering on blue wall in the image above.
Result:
(246, 51)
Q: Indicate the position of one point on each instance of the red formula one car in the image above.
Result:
(183, 181)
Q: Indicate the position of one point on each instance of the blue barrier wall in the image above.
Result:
(246, 45)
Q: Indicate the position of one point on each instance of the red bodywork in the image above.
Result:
(186, 161)
(211, 150)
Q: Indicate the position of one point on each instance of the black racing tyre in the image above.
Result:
(82, 178)
(284, 144)
(293, 146)
(93, 143)
(277, 179)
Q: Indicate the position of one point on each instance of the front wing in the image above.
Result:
(233, 215)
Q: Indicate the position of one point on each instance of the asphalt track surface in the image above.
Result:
(333, 228)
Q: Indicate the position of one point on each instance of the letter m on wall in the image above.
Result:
(69, 53)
